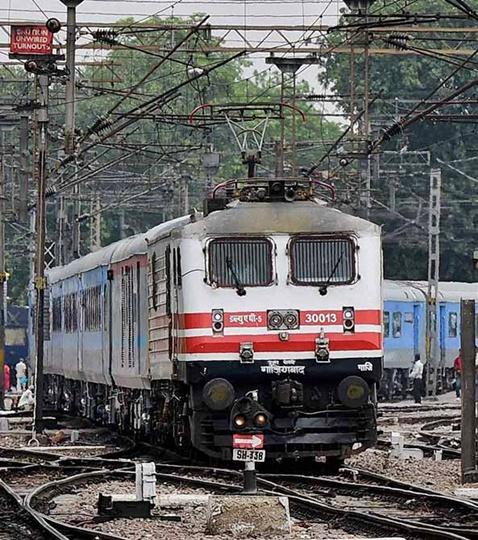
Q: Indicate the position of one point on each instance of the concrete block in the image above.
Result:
(74, 436)
(470, 493)
(248, 515)
(178, 500)
(413, 453)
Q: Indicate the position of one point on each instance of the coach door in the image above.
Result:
(80, 303)
(416, 329)
(443, 333)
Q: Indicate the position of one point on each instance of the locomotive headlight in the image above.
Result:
(291, 320)
(260, 420)
(348, 317)
(353, 391)
(239, 421)
(275, 319)
(218, 394)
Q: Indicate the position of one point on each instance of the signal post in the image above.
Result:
(469, 471)
(34, 44)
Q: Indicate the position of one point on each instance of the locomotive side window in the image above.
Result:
(386, 324)
(247, 261)
(316, 261)
(452, 324)
(397, 324)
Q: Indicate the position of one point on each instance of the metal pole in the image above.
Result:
(70, 83)
(469, 472)
(23, 195)
(432, 345)
(3, 276)
(70, 94)
(40, 282)
(280, 147)
(250, 480)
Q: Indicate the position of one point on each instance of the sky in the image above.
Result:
(301, 13)
(296, 12)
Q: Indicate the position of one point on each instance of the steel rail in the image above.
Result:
(310, 504)
(33, 520)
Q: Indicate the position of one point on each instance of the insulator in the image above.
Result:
(102, 124)
(399, 41)
(106, 36)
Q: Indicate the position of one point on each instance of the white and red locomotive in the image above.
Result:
(262, 316)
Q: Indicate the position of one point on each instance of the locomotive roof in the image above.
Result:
(281, 218)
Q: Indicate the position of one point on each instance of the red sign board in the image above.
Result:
(247, 441)
(31, 39)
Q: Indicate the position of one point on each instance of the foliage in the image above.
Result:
(402, 81)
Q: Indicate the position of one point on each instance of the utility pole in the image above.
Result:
(469, 472)
(432, 345)
(70, 94)
(95, 224)
(23, 172)
(40, 281)
(3, 276)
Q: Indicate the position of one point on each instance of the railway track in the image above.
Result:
(18, 522)
(374, 505)
(357, 500)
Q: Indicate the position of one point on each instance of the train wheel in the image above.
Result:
(333, 463)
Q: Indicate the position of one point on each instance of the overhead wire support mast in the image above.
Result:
(70, 144)
(40, 280)
(432, 344)
(3, 277)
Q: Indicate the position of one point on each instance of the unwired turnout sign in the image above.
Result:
(31, 39)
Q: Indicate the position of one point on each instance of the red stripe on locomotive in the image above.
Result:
(361, 341)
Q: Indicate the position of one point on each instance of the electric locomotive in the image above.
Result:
(262, 316)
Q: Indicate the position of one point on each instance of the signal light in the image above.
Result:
(31, 66)
(348, 317)
(217, 319)
(53, 25)
(240, 421)
(260, 420)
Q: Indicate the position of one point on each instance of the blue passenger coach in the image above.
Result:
(16, 335)
(404, 319)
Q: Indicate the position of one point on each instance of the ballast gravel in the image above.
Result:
(79, 507)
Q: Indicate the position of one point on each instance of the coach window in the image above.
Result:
(57, 314)
(452, 324)
(322, 260)
(386, 324)
(397, 324)
(240, 262)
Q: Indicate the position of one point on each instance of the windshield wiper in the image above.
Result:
(239, 286)
(323, 288)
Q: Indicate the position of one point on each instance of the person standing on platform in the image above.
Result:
(416, 375)
(6, 377)
(21, 370)
(457, 368)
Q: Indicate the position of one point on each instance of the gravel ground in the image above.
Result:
(56, 440)
(439, 475)
(79, 507)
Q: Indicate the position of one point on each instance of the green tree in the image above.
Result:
(402, 81)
